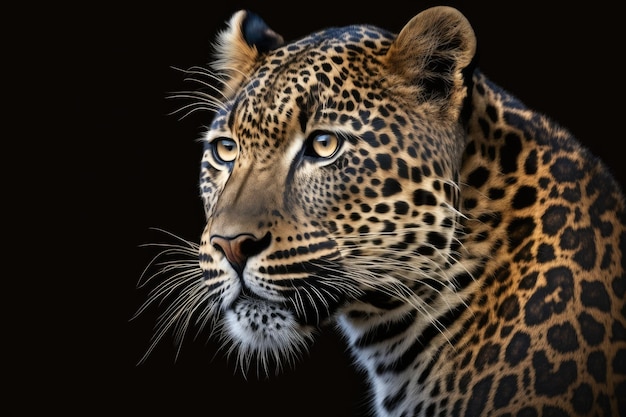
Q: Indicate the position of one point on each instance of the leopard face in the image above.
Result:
(315, 173)
(468, 248)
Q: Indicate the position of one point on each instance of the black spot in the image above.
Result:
(569, 239)
(553, 219)
(517, 350)
(524, 197)
(371, 138)
(509, 152)
(416, 174)
(424, 198)
(496, 193)
(429, 218)
(617, 328)
(384, 161)
(530, 165)
(369, 164)
(403, 169)
(487, 355)
(450, 382)
(527, 412)
(370, 192)
(391, 187)
(479, 397)
(470, 148)
(469, 203)
(437, 240)
(519, 229)
(401, 207)
(337, 59)
(583, 399)
(619, 362)
(425, 250)
(509, 309)
(551, 298)
(525, 253)
(490, 330)
(464, 382)
(563, 337)
(506, 390)
(551, 383)
(586, 243)
(323, 78)
(381, 208)
(550, 411)
(327, 67)
(594, 295)
(620, 393)
(566, 170)
(389, 226)
(492, 113)
(478, 177)
(596, 365)
(605, 263)
(571, 194)
(506, 330)
(466, 359)
(545, 253)
(437, 169)
(528, 281)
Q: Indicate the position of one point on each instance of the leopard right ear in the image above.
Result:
(239, 46)
(431, 60)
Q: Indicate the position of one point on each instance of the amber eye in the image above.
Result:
(322, 145)
(224, 150)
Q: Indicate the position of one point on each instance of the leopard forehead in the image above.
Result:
(316, 81)
(334, 80)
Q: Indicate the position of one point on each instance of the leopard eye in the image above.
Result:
(224, 150)
(322, 145)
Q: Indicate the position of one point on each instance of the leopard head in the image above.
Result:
(329, 177)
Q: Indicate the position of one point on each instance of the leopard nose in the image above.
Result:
(239, 248)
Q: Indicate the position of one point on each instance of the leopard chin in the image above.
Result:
(266, 333)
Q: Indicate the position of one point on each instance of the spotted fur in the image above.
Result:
(468, 248)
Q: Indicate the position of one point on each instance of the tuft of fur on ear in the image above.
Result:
(427, 60)
(238, 47)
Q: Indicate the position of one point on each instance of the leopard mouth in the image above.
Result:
(304, 300)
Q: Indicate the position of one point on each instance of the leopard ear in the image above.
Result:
(429, 59)
(238, 47)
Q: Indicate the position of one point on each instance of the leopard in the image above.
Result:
(469, 249)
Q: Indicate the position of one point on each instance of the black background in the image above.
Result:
(123, 165)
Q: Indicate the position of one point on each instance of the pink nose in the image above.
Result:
(239, 248)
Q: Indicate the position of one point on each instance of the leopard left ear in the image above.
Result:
(239, 46)
(429, 57)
